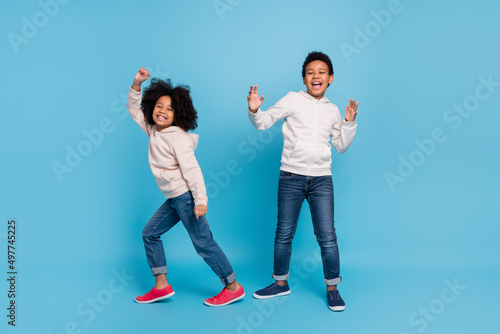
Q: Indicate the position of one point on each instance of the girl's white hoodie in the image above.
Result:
(171, 155)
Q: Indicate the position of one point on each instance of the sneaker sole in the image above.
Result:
(156, 299)
(227, 303)
(255, 295)
(336, 308)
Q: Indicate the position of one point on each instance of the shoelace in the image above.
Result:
(145, 296)
(149, 295)
(334, 294)
(223, 292)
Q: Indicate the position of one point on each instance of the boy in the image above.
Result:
(310, 121)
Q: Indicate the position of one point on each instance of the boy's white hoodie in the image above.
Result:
(171, 155)
(308, 126)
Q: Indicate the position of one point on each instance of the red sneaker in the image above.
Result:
(155, 295)
(226, 297)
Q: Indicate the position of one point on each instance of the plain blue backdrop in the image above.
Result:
(415, 195)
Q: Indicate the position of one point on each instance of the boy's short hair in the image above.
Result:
(185, 114)
(315, 55)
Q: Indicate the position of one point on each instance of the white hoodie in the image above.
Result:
(171, 155)
(308, 126)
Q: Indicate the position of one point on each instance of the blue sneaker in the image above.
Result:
(335, 302)
(274, 290)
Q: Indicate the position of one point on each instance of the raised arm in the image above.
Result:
(343, 133)
(135, 98)
(264, 120)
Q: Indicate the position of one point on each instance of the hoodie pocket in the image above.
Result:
(307, 153)
(170, 179)
(323, 154)
(302, 152)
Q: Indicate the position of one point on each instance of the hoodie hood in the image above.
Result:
(310, 97)
(178, 133)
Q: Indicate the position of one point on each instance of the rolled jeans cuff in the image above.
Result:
(280, 277)
(159, 270)
(230, 279)
(333, 281)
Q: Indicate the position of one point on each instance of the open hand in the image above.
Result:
(200, 210)
(254, 102)
(351, 110)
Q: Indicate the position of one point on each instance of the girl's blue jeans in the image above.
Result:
(181, 208)
(318, 191)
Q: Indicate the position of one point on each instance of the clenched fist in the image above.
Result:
(141, 76)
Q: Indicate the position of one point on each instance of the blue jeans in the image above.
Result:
(182, 208)
(318, 191)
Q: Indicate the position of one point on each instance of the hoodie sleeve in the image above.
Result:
(134, 108)
(263, 120)
(183, 149)
(343, 134)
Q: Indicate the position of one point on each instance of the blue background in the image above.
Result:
(402, 243)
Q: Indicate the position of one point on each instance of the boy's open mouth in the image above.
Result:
(316, 84)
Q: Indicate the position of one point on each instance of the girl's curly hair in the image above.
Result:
(185, 115)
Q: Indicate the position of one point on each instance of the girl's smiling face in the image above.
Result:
(163, 113)
(317, 78)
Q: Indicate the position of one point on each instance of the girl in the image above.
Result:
(166, 113)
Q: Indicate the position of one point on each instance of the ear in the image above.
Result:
(304, 80)
(330, 80)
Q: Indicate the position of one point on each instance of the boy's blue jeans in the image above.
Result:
(182, 208)
(318, 191)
